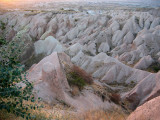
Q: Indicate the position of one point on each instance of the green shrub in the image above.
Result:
(75, 20)
(12, 94)
(62, 9)
(77, 80)
(2, 41)
(155, 67)
(78, 77)
(2, 25)
(2, 37)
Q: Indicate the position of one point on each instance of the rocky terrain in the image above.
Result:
(120, 49)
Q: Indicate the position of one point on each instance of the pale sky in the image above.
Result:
(29, 1)
(67, 0)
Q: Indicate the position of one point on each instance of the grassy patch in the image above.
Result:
(4, 115)
(117, 114)
(46, 113)
(132, 84)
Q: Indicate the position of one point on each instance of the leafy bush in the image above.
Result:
(12, 94)
(77, 80)
(155, 67)
(2, 41)
(2, 25)
(2, 37)
(78, 77)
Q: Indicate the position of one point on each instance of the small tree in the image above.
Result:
(12, 94)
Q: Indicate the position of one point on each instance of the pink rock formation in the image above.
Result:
(49, 79)
(148, 111)
(145, 90)
(50, 84)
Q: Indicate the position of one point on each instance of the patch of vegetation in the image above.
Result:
(121, 26)
(97, 46)
(155, 67)
(2, 25)
(2, 36)
(76, 80)
(38, 115)
(129, 85)
(108, 16)
(4, 115)
(75, 20)
(15, 89)
(115, 98)
(2, 41)
(114, 114)
(137, 20)
(62, 9)
(78, 77)
(88, 53)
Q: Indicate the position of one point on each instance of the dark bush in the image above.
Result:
(115, 97)
(78, 77)
(87, 77)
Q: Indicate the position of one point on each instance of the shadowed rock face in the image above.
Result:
(148, 111)
(147, 89)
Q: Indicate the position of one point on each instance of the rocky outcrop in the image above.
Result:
(128, 36)
(47, 46)
(108, 69)
(51, 85)
(148, 111)
(146, 43)
(49, 79)
(144, 62)
(147, 89)
(155, 12)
